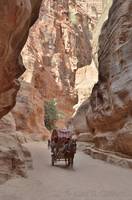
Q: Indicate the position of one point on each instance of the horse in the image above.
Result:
(70, 153)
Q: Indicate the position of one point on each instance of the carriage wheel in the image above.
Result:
(69, 162)
(53, 161)
(72, 162)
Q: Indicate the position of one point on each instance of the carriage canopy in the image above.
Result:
(64, 133)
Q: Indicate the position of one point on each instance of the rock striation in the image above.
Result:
(14, 158)
(29, 113)
(87, 76)
(107, 113)
(58, 45)
(15, 21)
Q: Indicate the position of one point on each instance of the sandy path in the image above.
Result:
(89, 180)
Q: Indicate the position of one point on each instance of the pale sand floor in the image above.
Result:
(89, 180)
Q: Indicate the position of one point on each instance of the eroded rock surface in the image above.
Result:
(16, 19)
(57, 46)
(108, 112)
(86, 78)
(14, 158)
(29, 112)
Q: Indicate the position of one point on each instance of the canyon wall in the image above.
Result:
(14, 24)
(29, 112)
(97, 30)
(15, 159)
(85, 80)
(15, 21)
(87, 76)
(108, 112)
(57, 46)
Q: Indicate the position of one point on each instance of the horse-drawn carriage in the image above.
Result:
(63, 147)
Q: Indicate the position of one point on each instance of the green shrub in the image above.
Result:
(51, 114)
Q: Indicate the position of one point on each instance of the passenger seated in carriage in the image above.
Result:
(61, 141)
(63, 147)
(54, 141)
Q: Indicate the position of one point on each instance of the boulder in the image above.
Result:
(85, 137)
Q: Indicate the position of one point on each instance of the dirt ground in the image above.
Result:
(88, 180)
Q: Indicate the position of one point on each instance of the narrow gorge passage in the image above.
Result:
(89, 180)
(70, 71)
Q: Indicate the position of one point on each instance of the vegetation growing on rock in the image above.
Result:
(51, 114)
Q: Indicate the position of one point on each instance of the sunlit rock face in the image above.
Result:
(16, 18)
(97, 30)
(58, 45)
(93, 8)
(86, 77)
(29, 112)
(108, 112)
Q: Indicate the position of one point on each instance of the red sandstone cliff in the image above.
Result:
(14, 25)
(58, 45)
(107, 114)
(15, 21)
